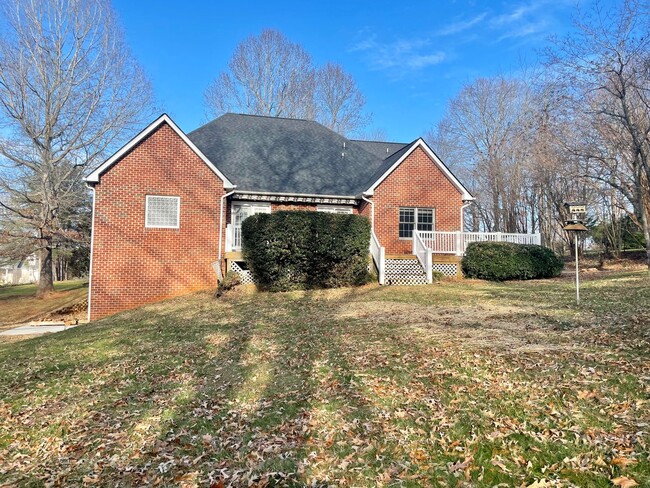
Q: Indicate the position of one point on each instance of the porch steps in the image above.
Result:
(404, 270)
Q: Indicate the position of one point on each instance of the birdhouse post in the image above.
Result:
(575, 223)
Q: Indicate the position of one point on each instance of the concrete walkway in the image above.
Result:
(35, 330)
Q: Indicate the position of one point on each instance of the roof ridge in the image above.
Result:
(378, 142)
(272, 117)
(265, 117)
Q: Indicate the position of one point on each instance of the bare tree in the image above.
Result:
(375, 134)
(267, 75)
(604, 74)
(69, 88)
(270, 75)
(339, 101)
(482, 135)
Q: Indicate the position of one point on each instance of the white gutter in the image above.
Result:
(372, 212)
(221, 229)
(309, 195)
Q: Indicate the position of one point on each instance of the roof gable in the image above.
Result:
(391, 163)
(94, 177)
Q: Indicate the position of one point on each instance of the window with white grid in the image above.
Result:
(334, 209)
(162, 212)
(409, 218)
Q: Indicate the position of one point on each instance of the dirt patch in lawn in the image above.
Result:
(497, 327)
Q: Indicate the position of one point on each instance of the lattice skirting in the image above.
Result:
(447, 269)
(404, 272)
(245, 275)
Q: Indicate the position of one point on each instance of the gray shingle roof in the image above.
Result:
(386, 164)
(380, 149)
(272, 154)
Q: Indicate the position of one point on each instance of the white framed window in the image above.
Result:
(241, 211)
(162, 212)
(410, 217)
(334, 209)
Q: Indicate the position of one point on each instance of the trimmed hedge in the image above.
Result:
(294, 250)
(500, 261)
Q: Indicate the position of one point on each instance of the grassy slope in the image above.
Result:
(460, 383)
(18, 303)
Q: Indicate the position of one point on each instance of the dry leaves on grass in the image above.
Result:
(354, 390)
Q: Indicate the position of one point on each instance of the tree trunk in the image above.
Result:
(646, 232)
(45, 280)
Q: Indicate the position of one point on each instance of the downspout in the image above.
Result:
(92, 248)
(221, 231)
(372, 212)
(382, 256)
(462, 215)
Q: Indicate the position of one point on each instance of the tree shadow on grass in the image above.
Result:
(102, 391)
(282, 389)
(246, 417)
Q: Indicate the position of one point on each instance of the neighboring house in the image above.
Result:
(20, 272)
(168, 206)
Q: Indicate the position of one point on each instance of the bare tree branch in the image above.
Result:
(69, 90)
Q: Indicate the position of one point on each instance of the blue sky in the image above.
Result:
(408, 58)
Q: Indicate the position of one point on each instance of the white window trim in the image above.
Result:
(333, 208)
(247, 203)
(433, 224)
(146, 213)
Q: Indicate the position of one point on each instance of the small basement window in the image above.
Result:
(162, 212)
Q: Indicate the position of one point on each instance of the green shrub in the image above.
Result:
(298, 250)
(500, 261)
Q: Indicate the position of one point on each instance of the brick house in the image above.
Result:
(168, 206)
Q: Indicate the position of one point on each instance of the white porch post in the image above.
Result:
(228, 237)
(459, 244)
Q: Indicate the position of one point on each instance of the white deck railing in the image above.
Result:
(233, 237)
(456, 242)
(424, 255)
(379, 256)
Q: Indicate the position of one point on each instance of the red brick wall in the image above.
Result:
(133, 265)
(417, 182)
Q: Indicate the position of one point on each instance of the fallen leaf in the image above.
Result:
(461, 465)
(624, 482)
(540, 484)
(623, 461)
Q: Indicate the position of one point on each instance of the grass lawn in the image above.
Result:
(19, 303)
(457, 384)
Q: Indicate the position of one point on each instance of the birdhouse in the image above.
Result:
(577, 213)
